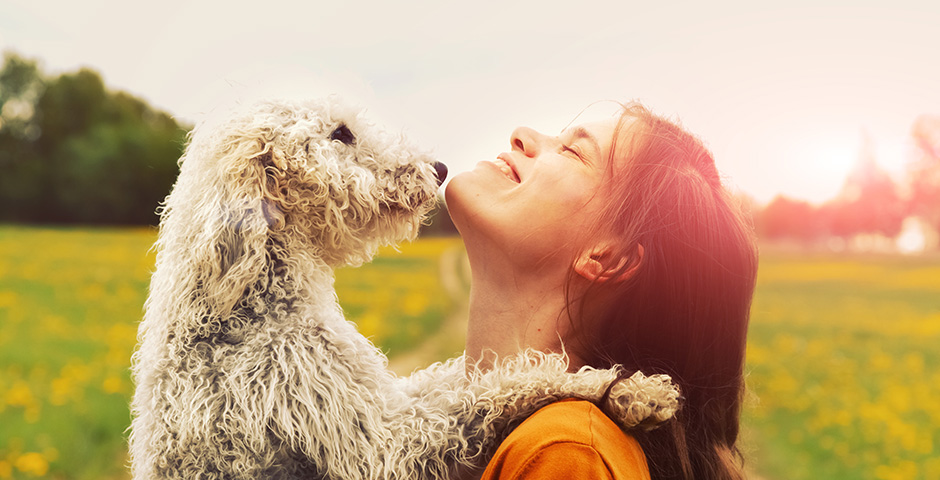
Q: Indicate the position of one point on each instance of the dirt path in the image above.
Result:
(449, 339)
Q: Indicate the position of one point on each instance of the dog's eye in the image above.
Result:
(343, 134)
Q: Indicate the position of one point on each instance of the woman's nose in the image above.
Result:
(525, 140)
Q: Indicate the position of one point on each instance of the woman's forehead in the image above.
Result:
(594, 127)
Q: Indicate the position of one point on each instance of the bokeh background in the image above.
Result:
(823, 116)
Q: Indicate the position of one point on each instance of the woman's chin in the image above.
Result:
(455, 197)
(463, 191)
(468, 203)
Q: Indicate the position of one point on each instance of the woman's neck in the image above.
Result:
(512, 310)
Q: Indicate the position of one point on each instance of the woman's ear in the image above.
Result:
(601, 264)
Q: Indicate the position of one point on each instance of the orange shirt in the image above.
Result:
(568, 440)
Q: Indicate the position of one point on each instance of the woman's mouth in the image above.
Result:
(507, 169)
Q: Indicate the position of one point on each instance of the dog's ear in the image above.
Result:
(268, 156)
(272, 176)
(235, 255)
(235, 263)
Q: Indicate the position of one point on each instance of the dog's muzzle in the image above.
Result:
(440, 170)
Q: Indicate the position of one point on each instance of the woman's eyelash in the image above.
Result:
(566, 148)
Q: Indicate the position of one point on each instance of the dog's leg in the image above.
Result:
(485, 407)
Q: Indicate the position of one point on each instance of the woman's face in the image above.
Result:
(537, 200)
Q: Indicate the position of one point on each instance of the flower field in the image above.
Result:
(842, 369)
(70, 301)
(843, 357)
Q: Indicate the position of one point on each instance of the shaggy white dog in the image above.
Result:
(246, 367)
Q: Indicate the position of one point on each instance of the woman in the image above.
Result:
(616, 243)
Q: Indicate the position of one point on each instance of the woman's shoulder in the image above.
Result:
(568, 439)
(576, 421)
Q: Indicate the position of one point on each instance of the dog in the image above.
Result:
(246, 366)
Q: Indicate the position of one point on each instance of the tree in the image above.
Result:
(20, 87)
(924, 171)
(869, 201)
(76, 152)
(785, 218)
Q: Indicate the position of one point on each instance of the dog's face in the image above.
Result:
(317, 171)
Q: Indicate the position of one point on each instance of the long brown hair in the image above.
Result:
(684, 311)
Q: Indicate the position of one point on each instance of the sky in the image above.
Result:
(783, 95)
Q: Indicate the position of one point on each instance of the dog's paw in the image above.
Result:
(641, 401)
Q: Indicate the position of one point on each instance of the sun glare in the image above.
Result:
(825, 162)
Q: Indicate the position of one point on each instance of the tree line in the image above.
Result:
(73, 151)
(871, 202)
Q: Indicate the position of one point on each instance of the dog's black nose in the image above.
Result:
(441, 171)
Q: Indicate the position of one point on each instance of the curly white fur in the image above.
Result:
(246, 367)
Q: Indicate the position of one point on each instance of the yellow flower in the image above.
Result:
(112, 384)
(8, 299)
(414, 304)
(904, 470)
(20, 395)
(370, 324)
(33, 464)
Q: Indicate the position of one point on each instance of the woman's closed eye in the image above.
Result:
(573, 150)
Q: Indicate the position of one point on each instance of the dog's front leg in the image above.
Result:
(486, 406)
